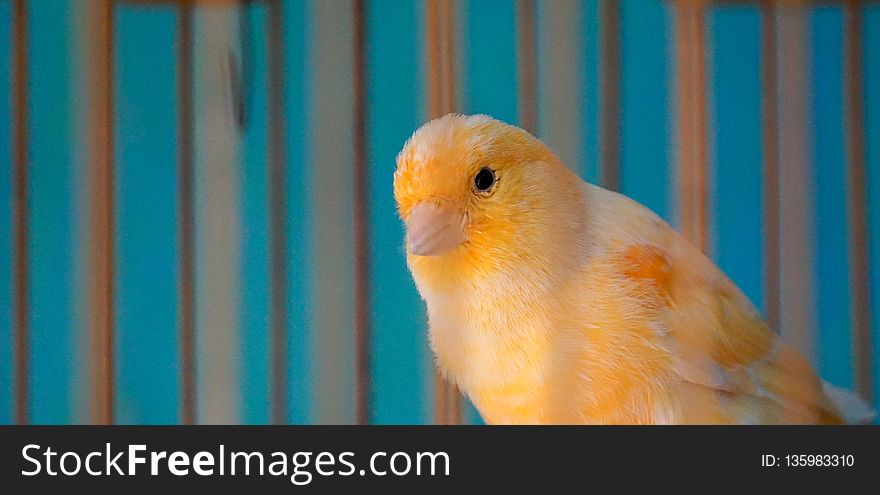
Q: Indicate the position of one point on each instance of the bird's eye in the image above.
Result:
(484, 180)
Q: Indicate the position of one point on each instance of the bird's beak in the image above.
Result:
(434, 229)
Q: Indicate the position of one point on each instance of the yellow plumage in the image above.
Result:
(554, 301)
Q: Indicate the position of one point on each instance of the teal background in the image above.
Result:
(148, 372)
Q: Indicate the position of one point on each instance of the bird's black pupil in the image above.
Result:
(484, 179)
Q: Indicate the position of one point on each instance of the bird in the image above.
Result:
(554, 301)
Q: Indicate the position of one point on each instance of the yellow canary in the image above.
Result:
(551, 300)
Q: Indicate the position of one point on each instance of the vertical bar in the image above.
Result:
(450, 83)
(451, 87)
(330, 154)
(797, 261)
(217, 218)
(362, 333)
(527, 66)
(101, 216)
(435, 94)
(690, 56)
(559, 80)
(21, 290)
(442, 100)
(769, 135)
(610, 95)
(436, 109)
(856, 173)
(277, 156)
(186, 233)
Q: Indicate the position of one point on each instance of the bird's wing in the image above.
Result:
(728, 366)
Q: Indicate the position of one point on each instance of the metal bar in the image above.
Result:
(685, 118)
(527, 67)
(442, 99)
(21, 303)
(690, 56)
(797, 261)
(432, 15)
(277, 157)
(435, 109)
(857, 199)
(217, 219)
(362, 330)
(186, 233)
(101, 235)
(610, 95)
(450, 88)
(701, 129)
(331, 146)
(769, 136)
(450, 82)
(559, 80)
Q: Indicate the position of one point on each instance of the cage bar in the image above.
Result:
(527, 67)
(770, 149)
(797, 261)
(442, 99)
(610, 95)
(186, 232)
(277, 187)
(362, 330)
(21, 233)
(857, 198)
(692, 130)
(101, 209)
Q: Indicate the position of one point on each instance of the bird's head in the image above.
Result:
(480, 197)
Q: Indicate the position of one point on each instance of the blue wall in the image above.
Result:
(51, 213)
(401, 364)
(646, 124)
(255, 229)
(147, 204)
(146, 155)
(872, 124)
(835, 346)
(295, 53)
(5, 218)
(735, 118)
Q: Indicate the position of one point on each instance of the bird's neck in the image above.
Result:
(493, 333)
(491, 345)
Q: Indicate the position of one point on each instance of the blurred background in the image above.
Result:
(196, 211)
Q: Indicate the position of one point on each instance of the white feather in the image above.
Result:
(853, 409)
